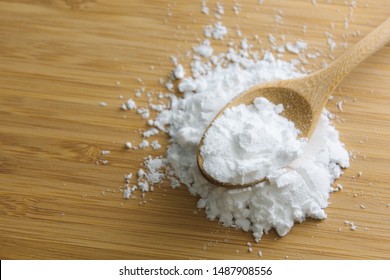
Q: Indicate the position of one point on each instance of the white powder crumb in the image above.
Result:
(144, 144)
(297, 47)
(127, 177)
(346, 23)
(219, 8)
(144, 112)
(154, 166)
(340, 105)
(150, 132)
(138, 93)
(313, 55)
(103, 104)
(143, 186)
(278, 19)
(248, 244)
(250, 250)
(105, 152)
(286, 257)
(351, 225)
(208, 31)
(245, 45)
(123, 107)
(304, 29)
(169, 86)
(179, 72)
(271, 39)
(156, 145)
(128, 145)
(204, 49)
(239, 34)
(261, 2)
(204, 8)
(218, 31)
(362, 206)
(360, 174)
(127, 193)
(260, 253)
(118, 83)
(157, 107)
(280, 49)
(141, 174)
(150, 122)
(331, 42)
(339, 187)
(236, 8)
(130, 104)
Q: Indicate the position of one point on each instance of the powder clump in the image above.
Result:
(247, 143)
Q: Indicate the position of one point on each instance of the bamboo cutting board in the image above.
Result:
(60, 59)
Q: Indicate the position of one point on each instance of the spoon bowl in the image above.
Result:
(304, 98)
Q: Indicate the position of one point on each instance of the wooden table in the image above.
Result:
(60, 59)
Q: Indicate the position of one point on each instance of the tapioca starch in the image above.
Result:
(291, 194)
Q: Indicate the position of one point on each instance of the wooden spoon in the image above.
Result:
(304, 98)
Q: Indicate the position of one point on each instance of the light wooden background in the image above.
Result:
(60, 59)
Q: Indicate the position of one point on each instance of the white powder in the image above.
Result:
(179, 72)
(247, 143)
(130, 104)
(204, 49)
(150, 132)
(144, 112)
(144, 144)
(205, 9)
(156, 145)
(290, 194)
(220, 9)
(218, 31)
(297, 47)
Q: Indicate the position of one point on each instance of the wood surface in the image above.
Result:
(60, 59)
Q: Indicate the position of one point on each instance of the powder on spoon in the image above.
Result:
(247, 143)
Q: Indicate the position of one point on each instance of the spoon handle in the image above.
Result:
(327, 79)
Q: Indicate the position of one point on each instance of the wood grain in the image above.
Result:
(60, 59)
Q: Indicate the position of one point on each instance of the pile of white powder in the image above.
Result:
(291, 194)
(253, 149)
(247, 143)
